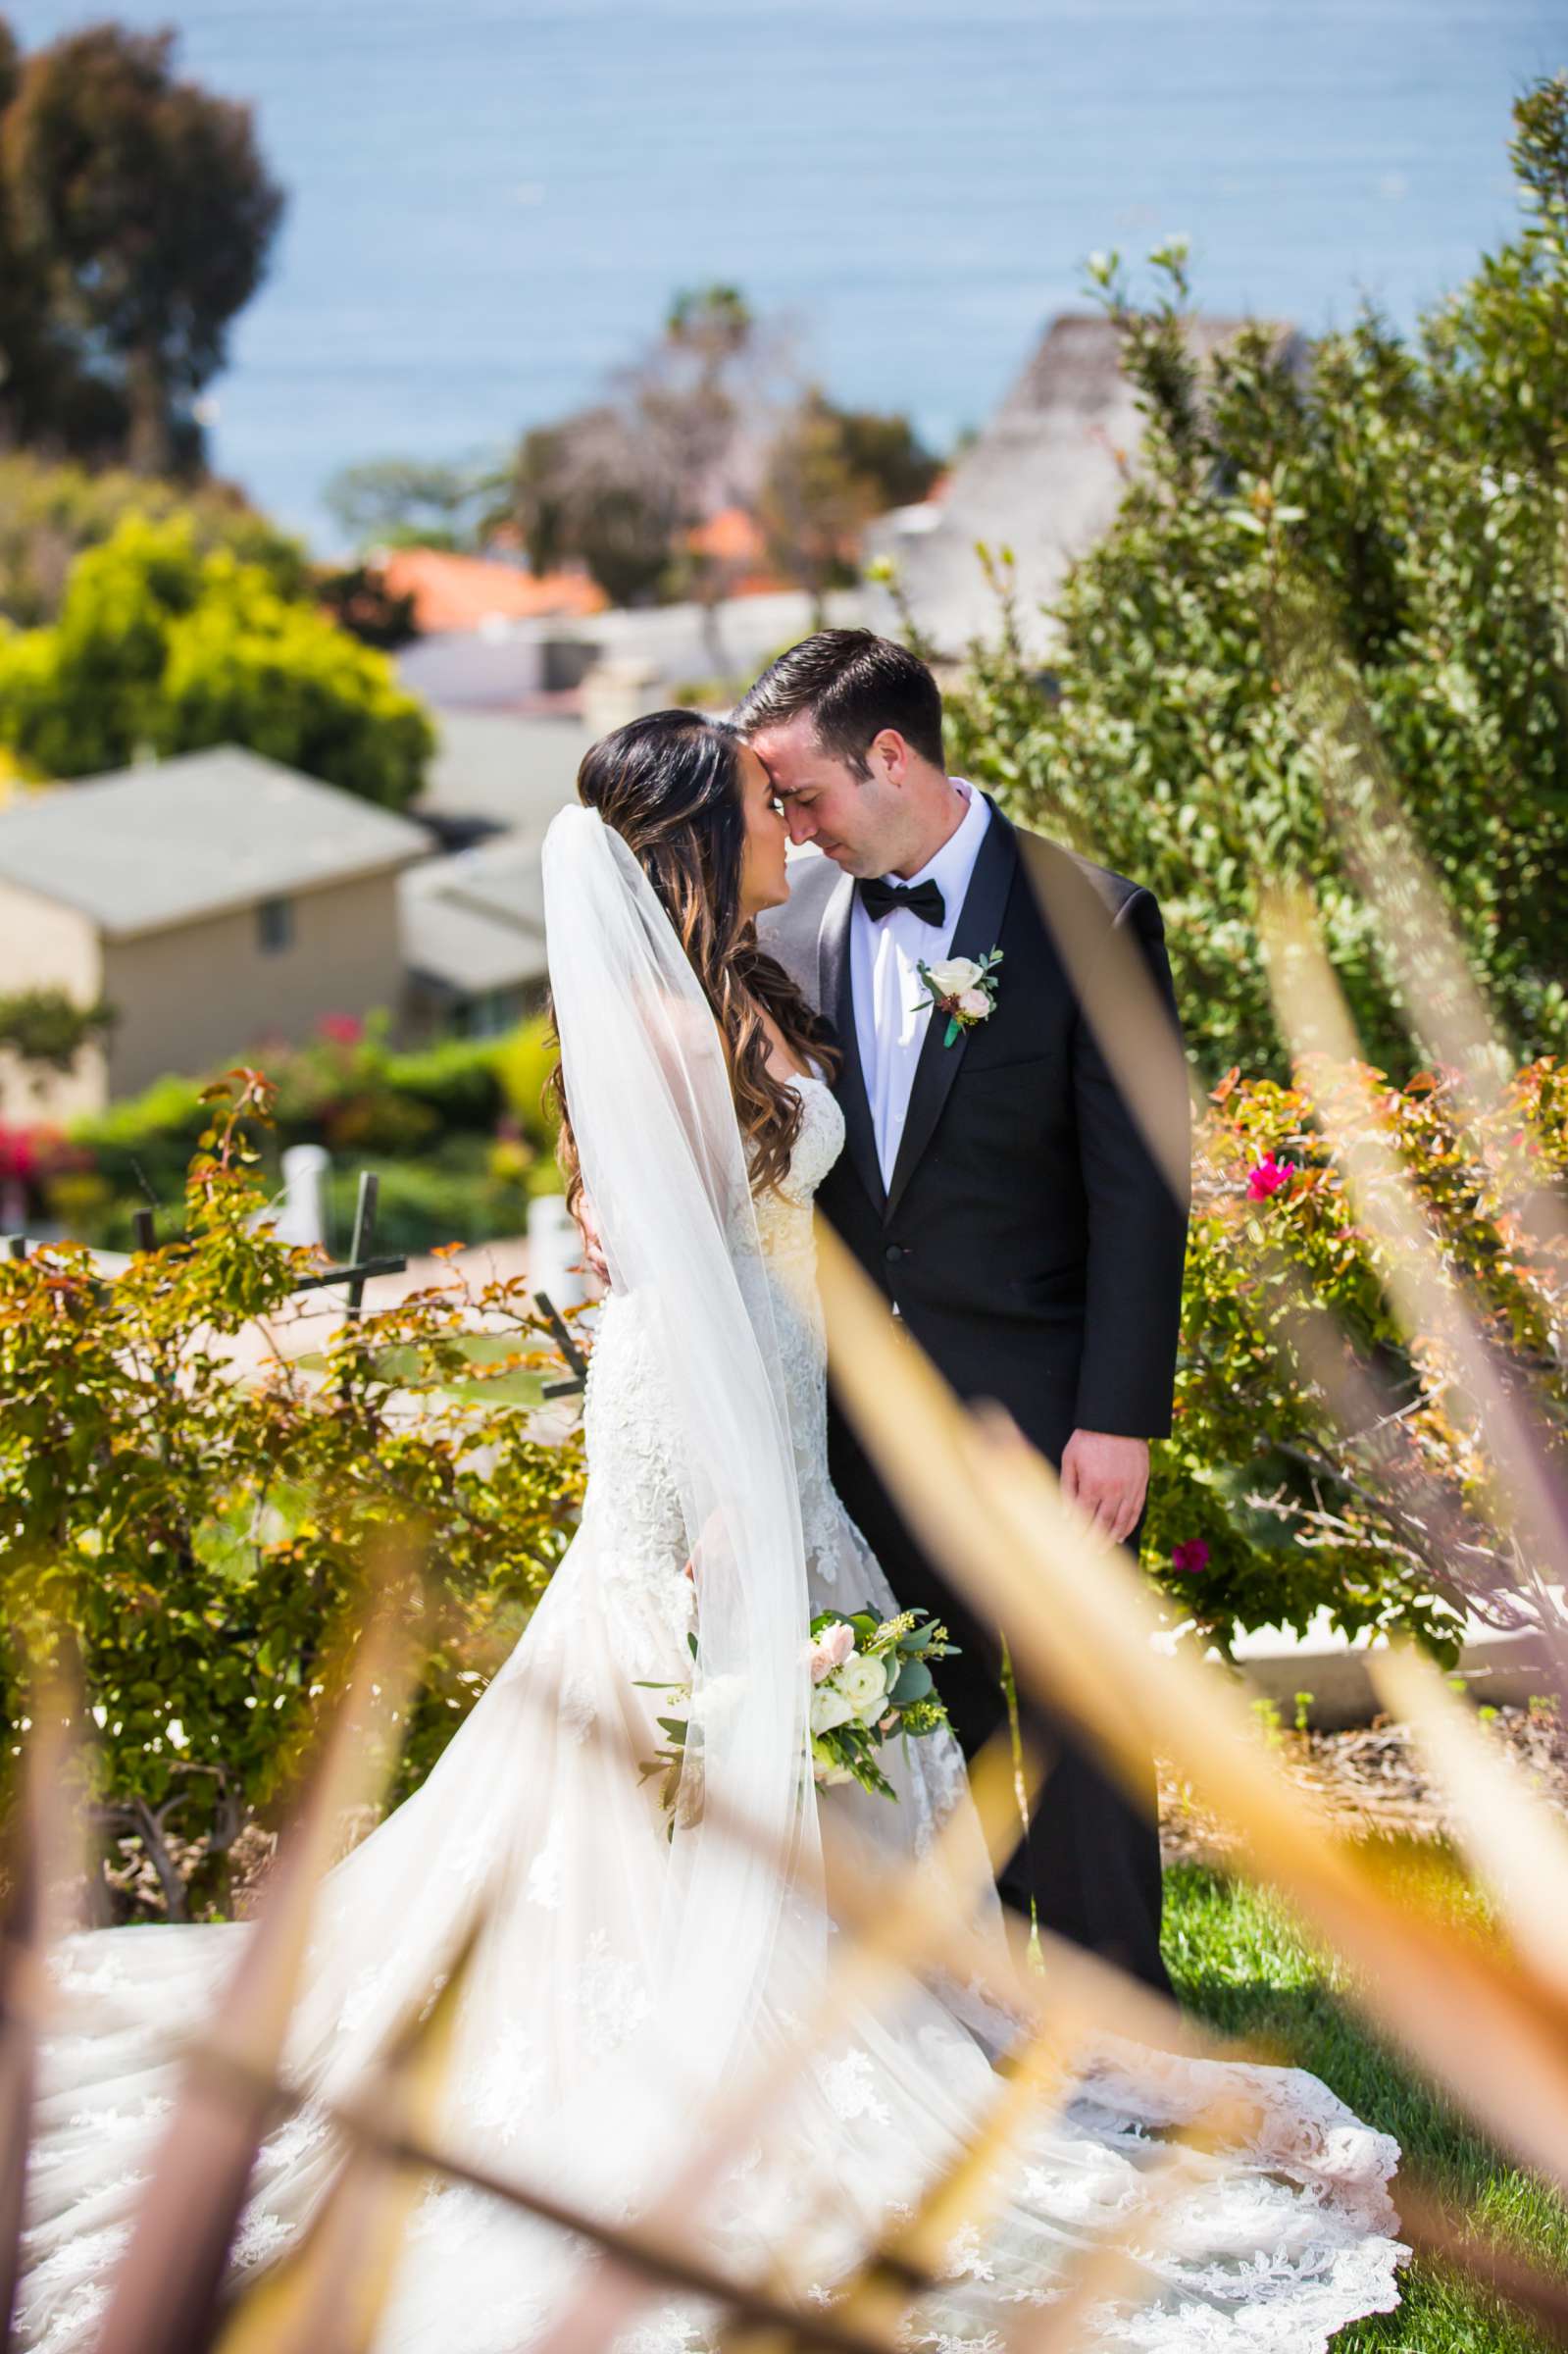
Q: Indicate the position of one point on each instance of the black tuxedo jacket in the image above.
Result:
(1027, 1237)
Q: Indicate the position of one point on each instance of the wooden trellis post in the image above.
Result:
(566, 1346)
(354, 1273)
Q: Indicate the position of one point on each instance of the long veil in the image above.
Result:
(653, 1114)
(616, 1985)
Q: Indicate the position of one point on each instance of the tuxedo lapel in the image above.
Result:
(836, 997)
(977, 931)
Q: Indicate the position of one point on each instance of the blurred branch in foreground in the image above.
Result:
(1475, 2016)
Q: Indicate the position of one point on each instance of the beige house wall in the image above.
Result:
(45, 945)
(207, 993)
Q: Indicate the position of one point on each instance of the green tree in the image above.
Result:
(1403, 502)
(620, 485)
(409, 502)
(49, 514)
(53, 395)
(829, 471)
(589, 491)
(144, 203)
(29, 372)
(884, 450)
(360, 601)
(158, 647)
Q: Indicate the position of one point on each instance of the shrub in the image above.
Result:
(1412, 501)
(49, 515)
(1261, 1512)
(522, 1065)
(161, 644)
(438, 1125)
(460, 1080)
(202, 1537)
(474, 1191)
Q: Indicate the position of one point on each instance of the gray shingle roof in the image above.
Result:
(163, 844)
(504, 769)
(476, 921)
(1045, 479)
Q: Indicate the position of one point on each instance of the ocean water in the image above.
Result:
(491, 201)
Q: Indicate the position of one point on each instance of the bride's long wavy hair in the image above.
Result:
(671, 785)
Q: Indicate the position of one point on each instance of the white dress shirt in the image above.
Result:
(891, 1009)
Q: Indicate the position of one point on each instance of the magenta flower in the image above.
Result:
(19, 1154)
(342, 1029)
(1191, 1557)
(1270, 1177)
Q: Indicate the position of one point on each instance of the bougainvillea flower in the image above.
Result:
(1270, 1177)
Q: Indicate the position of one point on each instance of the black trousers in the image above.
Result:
(1091, 1860)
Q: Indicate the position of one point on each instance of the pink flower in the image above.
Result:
(342, 1029)
(19, 1154)
(1270, 1177)
(973, 1004)
(1191, 1557)
(830, 1648)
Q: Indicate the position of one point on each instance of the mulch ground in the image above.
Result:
(1370, 1781)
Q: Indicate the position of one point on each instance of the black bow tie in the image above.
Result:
(924, 900)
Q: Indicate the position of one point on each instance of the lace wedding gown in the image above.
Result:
(591, 2036)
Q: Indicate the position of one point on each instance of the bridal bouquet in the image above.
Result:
(871, 1679)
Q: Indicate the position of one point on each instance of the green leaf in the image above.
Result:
(915, 1680)
(502, 1389)
(489, 1347)
(399, 1366)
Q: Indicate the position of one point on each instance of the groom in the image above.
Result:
(997, 1188)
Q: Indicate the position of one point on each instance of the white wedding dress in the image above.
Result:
(625, 1981)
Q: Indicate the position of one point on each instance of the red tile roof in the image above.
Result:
(735, 539)
(461, 593)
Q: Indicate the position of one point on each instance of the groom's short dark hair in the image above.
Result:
(854, 684)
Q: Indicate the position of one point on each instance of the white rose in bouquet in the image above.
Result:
(830, 1707)
(951, 978)
(864, 1684)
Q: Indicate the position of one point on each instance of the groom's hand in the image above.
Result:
(1107, 1478)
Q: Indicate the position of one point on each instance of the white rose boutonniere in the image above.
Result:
(964, 988)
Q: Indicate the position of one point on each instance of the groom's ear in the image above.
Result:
(888, 756)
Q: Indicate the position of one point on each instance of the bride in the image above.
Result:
(629, 1973)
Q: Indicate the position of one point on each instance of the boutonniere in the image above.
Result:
(964, 988)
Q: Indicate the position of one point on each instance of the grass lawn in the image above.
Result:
(1240, 1962)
